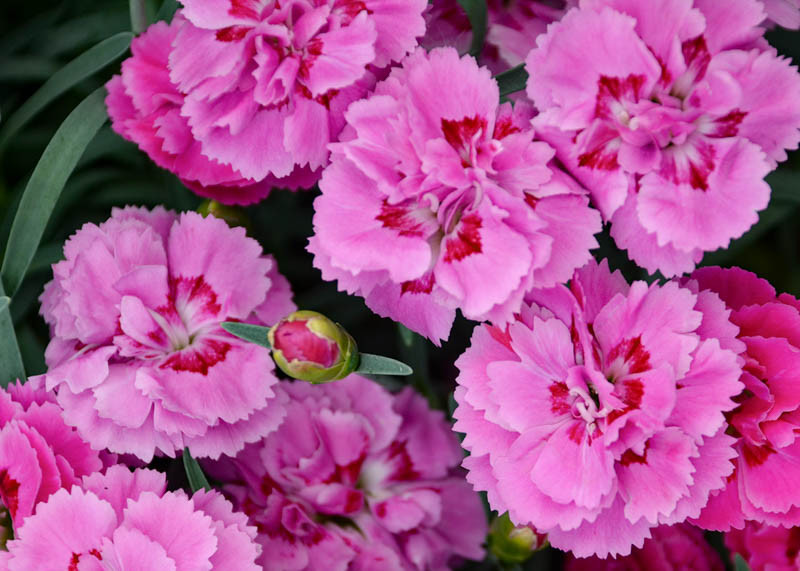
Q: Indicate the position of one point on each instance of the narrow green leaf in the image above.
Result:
(138, 16)
(478, 15)
(513, 80)
(11, 367)
(252, 333)
(65, 78)
(739, 564)
(4, 301)
(46, 183)
(376, 365)
(167, 10)
(194, 472)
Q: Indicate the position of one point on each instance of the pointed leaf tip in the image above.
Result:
(253, 333)
(194, 473)
(377, 365)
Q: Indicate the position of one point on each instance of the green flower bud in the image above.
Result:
(308, 346)
(514, 544)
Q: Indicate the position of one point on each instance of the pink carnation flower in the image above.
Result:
(438, 199)
(766, 548)
(127, 520)
(135, 312)
(39, 454)
(266, 84)
(671, 548)
(356, 478)
(671, 115)
(145, 107)
(785, 13)
(598, 415)
(767, 420)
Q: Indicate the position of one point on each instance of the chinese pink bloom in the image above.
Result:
(138, 357)
(598, 414)
(767, 421)
(127, 520)
(671, 113)
(357, 478)
(670, 548)
(438, 198)
(145, 107)
(266, 83)
(39, 454)
(766, 548)
(511, 33)
(784, 13)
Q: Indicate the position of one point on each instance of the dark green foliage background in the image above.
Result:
(39, 38)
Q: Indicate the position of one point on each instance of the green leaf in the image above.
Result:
(65, 78)
(138, 10)
(46, 183)
(739, 564)
(194, 472)
(478, 15)
(11, 367)
(513, 80)
(167, 10)
(376, 365)
(252, 333)
(4, 301)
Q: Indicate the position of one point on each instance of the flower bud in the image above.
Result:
(514, 544)
(308, 346)
(233, 215)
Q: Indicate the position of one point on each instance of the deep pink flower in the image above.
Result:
(766, 548)
(39, 453)
(356, 478)
(670, 548)
(767, 421)
(127, 520)
(598, 414)
(266, 83)
(784, 13)
(138, 357)
(438, 198)
(145, 107)
(671, 113)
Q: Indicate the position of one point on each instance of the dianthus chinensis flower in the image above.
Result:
(138, 358)
(438, 198)
(767, 421)
(127, 520)
(671, 113)
(598, 414)
(357, 478)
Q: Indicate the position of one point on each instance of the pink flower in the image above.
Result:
(784, 13)
(135, 312)
(145, 107)
(767, 420)
(266, 84)
(438, 198)
(355, 477)
(512, 28)
(39, 454)
(126, 520)
(766, 548)
(671, 115)
(670, 548)
(598, 414)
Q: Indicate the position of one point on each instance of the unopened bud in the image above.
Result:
(514, 543)
(308, 346)
(233, 215)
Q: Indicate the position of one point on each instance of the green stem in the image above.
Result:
(11, 367)
(138, 16)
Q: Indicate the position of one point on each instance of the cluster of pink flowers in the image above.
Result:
(620, 420)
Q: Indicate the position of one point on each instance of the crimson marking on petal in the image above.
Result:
(699, 170)
(423, 285)
(460, 133)
(399, 218)
(531, 200)
(756, 455)
(244, 9)
(504, 127)
(728, 126)
(197, 359)
(575, 432)
(558, 398)
(500, 335)
(96, 553)
(633, 354)
(404, 468)
(467, 240)
(696, 56)
(194, 289)
(599, 158)
(73, 562)
(9, 492)
(666, 77)
(630, 457)
(613, 89)
(232, 33)
(633, 391)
